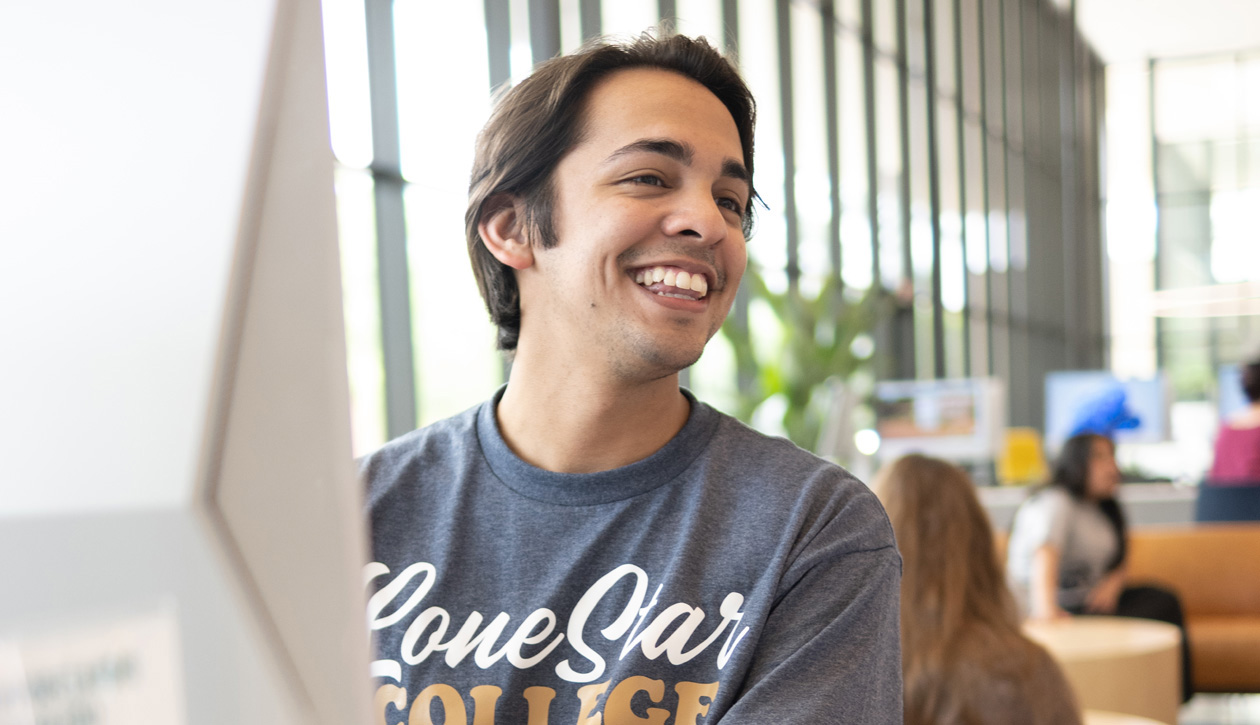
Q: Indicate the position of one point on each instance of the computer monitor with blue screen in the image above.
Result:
(959, 420)
(1229, 393)
(1097, 401)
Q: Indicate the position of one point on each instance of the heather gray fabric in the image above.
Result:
(1086, 541)
(728, 577)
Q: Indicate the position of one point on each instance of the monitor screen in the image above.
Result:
(1096, 401)
(1229, 393)
(958, 419)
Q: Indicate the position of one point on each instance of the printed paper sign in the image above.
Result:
(123, 673)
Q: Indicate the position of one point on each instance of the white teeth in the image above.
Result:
(673, 277)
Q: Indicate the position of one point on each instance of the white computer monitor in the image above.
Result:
(1230, 397)
(1097, 401)
(958, 419)
(181, 539)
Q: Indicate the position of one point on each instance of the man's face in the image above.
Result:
(648, 215)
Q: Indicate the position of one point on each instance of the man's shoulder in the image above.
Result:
(777, 473)
(755, 452)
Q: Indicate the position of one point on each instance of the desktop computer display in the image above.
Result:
(1096, 401)
(959, 420)
(1230, 398)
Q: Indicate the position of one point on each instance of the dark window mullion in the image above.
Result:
(391, 226)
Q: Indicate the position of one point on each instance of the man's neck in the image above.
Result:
(568, 422)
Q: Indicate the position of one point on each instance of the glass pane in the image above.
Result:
(978, 324)
(701, 17)
(916, 38)
(855, 219)
(976, 224)
(456, 362)
(884, 26)
(946, 46)
(969, 30)
(521, 52)
(570, 25)
(361, 303)
(1196, 100)
(998, 250)
(953, 266)
(447, 312)
(976, 250)
(1017, 218)
(994, 67)
(759, 61)
(813, 178)
(628, 17)
(922, 253)
(460, 86)
(1014, 73)
(1037, 74)
(889, 170)
(921, 241)
(349, 101)
(849, 13)
(1249, 85)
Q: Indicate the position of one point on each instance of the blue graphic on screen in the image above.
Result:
(1095, 401)
(1230, 396)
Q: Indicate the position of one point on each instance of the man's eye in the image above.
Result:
(648, 179)
(732, 204)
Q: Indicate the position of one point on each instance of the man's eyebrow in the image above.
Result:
(735, 170)
(678, 151)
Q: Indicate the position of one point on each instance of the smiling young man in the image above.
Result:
(593, 544)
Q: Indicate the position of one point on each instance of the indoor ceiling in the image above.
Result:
(1137, 30)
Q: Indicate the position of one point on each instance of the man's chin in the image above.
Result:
(650, 362)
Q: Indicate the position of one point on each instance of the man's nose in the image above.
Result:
(697, 216)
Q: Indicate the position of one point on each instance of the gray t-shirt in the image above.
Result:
(1086, 541)
(728, 577)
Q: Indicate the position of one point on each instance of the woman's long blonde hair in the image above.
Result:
(959, 623)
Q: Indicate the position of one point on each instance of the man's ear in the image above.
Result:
(502, 230)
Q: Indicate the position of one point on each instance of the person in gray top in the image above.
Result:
(593, 544)
(1067, 548)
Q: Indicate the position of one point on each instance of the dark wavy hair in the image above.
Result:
(1251, 381)
(538, 121)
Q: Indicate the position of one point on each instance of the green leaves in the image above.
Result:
(812, 345)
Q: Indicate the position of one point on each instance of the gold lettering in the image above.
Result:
(539, 700)
(484, 698)
(589, 697)
(452, 705)
(388, 695)
(617, 709)
(689, 705)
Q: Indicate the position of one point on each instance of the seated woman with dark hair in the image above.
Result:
(1068, 542)
(964, 659)
(1237, 459)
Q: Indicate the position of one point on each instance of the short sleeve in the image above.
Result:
(831, 647)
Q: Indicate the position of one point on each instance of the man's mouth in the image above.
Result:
(673, 282)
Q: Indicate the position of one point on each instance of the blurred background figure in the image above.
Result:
(964, 658)
(1237, 457)
(1068, 542)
